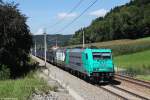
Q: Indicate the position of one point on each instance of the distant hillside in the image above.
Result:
(51, 40)
(129, 21)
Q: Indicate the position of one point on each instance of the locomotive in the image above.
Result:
(93, 64)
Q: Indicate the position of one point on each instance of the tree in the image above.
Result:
(129, 21)
(15, 38)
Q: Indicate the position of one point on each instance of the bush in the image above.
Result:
(4, 72)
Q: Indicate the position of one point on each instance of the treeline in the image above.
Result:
(15, 41)
(130, 21)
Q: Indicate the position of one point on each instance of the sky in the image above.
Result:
(44, 14)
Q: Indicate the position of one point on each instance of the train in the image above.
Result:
(95, 65)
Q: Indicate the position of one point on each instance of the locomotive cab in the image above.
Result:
(99, 63)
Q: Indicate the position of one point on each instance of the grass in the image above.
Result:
(137, 63)
(143, 77)
(135, 59)
(144, 39)
(114, 43)
(21, 89)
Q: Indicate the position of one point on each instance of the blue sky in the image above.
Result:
(45, 13)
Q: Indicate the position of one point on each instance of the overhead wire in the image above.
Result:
(68, 25)
(74, 8)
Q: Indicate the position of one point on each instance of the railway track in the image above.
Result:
(133, 80)
(127, 93)
(123, 93)
(112, 92)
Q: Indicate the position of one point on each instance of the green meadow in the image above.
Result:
(137, 63)
(139, 59)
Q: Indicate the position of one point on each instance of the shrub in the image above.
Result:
(4, 72)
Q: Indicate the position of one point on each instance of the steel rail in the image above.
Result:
(113, 93)
(131, 93)
(133, 80)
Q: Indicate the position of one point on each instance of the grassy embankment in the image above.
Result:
(22, 88)
(137, 63)
(133, 55)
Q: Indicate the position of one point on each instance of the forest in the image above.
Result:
(129, 21)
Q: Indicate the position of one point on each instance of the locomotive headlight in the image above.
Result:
(111, 74)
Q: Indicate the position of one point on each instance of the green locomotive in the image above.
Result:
(97, 64)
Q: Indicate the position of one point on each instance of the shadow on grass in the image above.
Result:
(23, 71)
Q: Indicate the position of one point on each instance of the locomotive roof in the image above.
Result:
(92, 50)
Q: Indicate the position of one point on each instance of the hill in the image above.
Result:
(129, 21)
(51, 40)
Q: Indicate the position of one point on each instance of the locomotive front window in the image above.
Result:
(86, 56)
(101, 55)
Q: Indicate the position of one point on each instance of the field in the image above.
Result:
(114, 43)
(121, 47)
(135, 59)
(137, 63)
(21, 89)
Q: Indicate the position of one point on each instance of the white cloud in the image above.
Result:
(99, 13)
(39, 32)
(66, 15)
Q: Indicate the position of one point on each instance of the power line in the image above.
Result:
(74, 8)
(66, 26)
